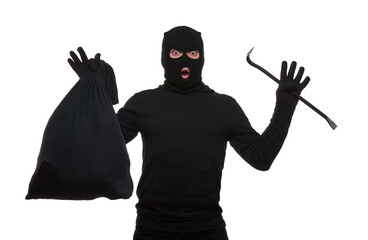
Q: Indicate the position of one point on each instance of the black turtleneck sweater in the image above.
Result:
(184, 142)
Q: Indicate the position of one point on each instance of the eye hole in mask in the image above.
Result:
(175, 53)
(193, 54)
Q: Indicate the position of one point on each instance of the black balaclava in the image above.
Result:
(184, 39)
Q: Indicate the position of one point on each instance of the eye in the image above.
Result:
(194, 54)
(174, 53)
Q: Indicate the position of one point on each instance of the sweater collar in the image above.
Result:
(200, 88)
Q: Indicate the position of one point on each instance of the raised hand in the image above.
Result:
(290, 84)
(83, 65)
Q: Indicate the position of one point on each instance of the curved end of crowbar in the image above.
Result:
(248, 54)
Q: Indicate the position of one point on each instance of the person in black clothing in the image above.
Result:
(185, 127)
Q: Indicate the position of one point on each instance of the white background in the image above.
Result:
(317, 187)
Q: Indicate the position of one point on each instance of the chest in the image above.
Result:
(184, 116)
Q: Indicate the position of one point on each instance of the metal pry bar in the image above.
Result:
(330, 122)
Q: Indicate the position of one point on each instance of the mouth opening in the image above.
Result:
(185, 73)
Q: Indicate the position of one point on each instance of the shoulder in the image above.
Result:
(225, 98)
(228, 104)
(144, 95)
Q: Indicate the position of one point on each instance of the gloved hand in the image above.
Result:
(289, 84)
(95, 65)
(81, 67)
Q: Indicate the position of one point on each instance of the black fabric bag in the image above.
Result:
(83, 154)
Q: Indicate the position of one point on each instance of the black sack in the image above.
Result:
(83, 154)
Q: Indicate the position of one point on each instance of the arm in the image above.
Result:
(128, 120)
(261, 150)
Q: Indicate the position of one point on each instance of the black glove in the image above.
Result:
(289, 84)
(81, 67)
(95, 65)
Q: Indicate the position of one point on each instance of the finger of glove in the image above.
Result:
(283, 70)
(299, 76)
(98, 56)
(292, 70)
(100, 64)
(82, 54)
(75, 58)
(304, 83)
(72, 64)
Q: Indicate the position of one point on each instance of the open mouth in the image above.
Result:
(185, 73)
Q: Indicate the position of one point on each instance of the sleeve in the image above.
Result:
(259, 150)
(127, 117)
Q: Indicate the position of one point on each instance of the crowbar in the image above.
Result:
(330, 122)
